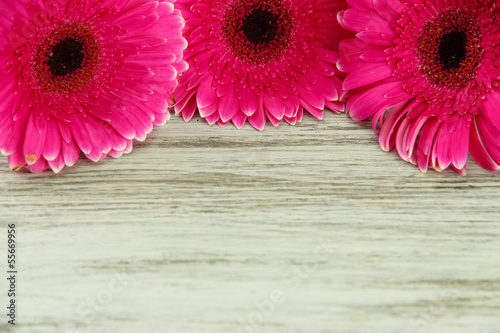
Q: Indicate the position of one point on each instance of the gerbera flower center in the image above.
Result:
(259, 31)
(449, 48)
(260, 26)
(451, 51)
(66, 57)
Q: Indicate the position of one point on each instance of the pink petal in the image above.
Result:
(367, 73)
(181, 97)
(53, 141)
(17, 137)
(142, 122)
(353, 48)
(407, 135)
(118, 153)
(366, 5)
(425, 143)
(491, 107)
(313, 98)
(274, 121)
(295, 119)
(34, 140)
(386, 11)
(209, 110)
(239, 119)
(459, 143)
(367, 103)
(376, 56)
(397, 6)
(274, 106)
(249, 102)
(258, 119)
(98, 138)
(205, 95)
(122, 124)
(189, 109)
(291, 120)
(81, 135)
(228, 106)
(440, 157)
(316, 113)
(336, 107)
(389, 125)
(292, 106)
(161, 119)
(57, 164)
(65, 131)
(16, 160)
(212, 118)
(376, 38)
(480, 153)
(39, 166)
(71, 153)
(490, 137)
(361, 20)
(328, 87)
(350, 62)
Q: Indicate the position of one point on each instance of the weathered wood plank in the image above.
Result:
(199, 227)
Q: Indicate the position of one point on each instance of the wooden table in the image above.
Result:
(306, 229)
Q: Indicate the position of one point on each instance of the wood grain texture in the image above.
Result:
(309, 228)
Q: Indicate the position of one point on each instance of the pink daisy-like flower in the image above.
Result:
(435, 64)
(82, 75)
(259, 59)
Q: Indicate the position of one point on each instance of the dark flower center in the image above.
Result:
(260, 26)
(66, 57)
(259, 31)
(452, 51)
(449, 48)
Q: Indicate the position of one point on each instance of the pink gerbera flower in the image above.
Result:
(82, 75)
(436, 65)
(259, 60)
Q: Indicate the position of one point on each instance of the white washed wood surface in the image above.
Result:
(200, 226)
